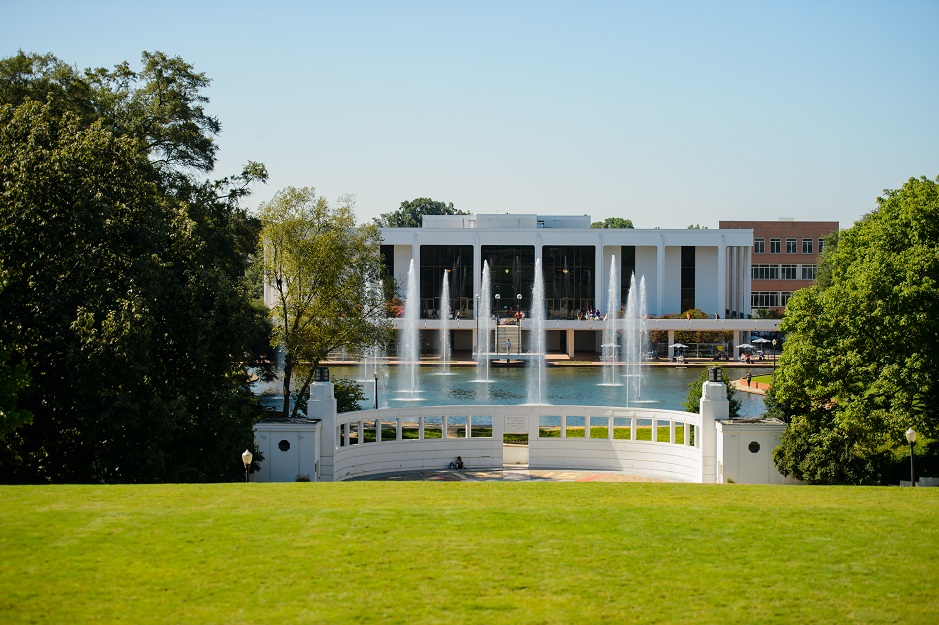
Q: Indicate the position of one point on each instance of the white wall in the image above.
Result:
(737, 464)
(705, 281)
(284, 466)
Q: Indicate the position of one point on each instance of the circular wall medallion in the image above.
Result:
(285, 445)
(754, 447)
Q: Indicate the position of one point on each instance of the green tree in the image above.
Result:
(613, 222)
(409, 214)
(349, 395)
(697, 227)
(692, 401)
(859, 364)
(321, 268)
(126, 298)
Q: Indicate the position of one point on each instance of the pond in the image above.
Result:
(662, 387)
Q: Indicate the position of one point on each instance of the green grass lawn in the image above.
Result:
(465, 553)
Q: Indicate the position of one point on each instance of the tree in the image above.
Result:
(322, 269)
(409, 214)
(697, 227)
(859, 364)
(613, 222)
(692, 401)
(126, 301)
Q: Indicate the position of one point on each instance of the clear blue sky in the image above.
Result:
(668, 113)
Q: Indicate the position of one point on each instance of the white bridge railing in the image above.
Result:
(664, 444)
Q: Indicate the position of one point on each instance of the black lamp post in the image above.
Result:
(476, 314)
(376, 390)
(518, 308)
(498, 318)
(911, 439)
(246, 459)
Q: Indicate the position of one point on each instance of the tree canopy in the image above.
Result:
(859, 365)
(325, 275)
(613, 222)
(125, 305)
(409, 214)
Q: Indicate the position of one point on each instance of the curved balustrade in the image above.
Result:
(658, 443)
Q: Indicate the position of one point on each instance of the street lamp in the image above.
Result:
(376, 390)
(247, 457)
(911, 439)
(476, 314)
(498, 318)
(774, 354)
(518, 296)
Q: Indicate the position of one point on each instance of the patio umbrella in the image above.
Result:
(679, 345)
(744, 346)
(760, 339)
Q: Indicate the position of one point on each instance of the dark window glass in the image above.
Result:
(455, 262)
(569, 272)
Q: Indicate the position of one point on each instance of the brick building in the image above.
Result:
(784, 258)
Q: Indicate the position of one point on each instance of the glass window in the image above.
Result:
(764, 299)
(806, 246)
(809, 271)
(758, 246)
(774, 245)
(765, 272)
(568, 278)
(788, 272)
(790, 246)
(455, 262)
(821, 245)
(785, 297)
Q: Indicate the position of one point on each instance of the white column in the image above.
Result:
(322, 406)
(721, 278)
(713, 406)
(660, 276)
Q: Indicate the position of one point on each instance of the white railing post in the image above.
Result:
(322, 406)
(713, 406)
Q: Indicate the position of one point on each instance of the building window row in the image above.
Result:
(770, 299)
(783, 272)
(775, 246)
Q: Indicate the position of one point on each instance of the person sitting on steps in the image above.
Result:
(458, 464)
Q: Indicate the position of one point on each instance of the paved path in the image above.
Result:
(521, 473)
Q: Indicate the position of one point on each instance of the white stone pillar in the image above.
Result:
(713, 406)
(721, 278)
(322, 406)
(660, 276)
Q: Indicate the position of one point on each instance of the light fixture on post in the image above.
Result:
(376, 390)
(246, 459)
(715, 375)
(774, 353)
(476, 314)
(911, 439)
(518, 309)
(498, 318)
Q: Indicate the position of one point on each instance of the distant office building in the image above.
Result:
(784, 257)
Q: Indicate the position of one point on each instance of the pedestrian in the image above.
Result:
(508, 346)
(749, 377)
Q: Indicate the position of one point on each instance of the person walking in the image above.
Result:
(508, 346)
(749, 377)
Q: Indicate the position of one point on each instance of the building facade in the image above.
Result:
(784, 258)
(683, 269)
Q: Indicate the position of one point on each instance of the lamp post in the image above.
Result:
(246, 459)
(376, 390)
(518, 296)
(498, 318)
(774, 354)
(911, 439)
(476, 314)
